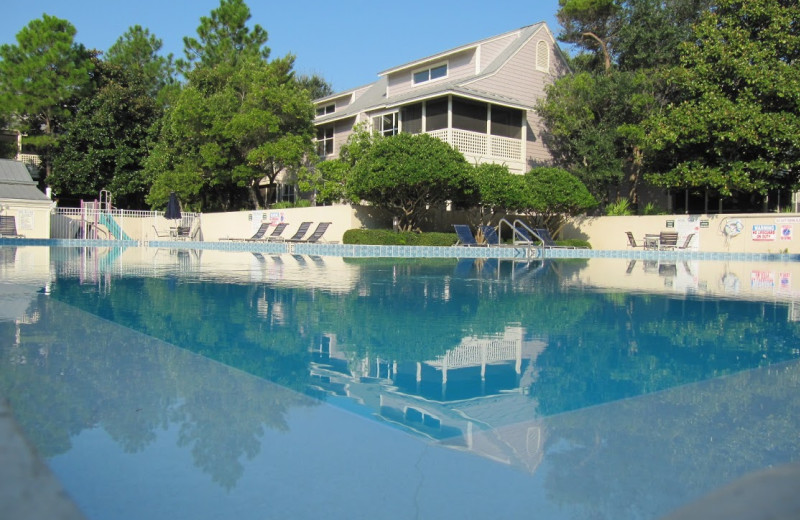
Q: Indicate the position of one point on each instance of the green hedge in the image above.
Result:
(386, 237)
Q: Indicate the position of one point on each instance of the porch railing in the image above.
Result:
(485, 147)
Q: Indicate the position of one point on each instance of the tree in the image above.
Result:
(224, 38)
(105, 143)
(316, 86)
(42, 79)
(239, 119)
(590, 24)
(409, 174)
(137, 49)
(552, 194)
(498, 188)
(651, 32)
(736, 124)
(592, 128)
(328, 181)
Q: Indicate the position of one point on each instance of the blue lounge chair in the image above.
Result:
(547, 240)
(490, 235)
(465, 236)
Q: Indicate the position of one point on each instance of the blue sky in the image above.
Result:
(347, 42)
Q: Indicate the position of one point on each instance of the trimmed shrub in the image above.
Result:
(386, 237)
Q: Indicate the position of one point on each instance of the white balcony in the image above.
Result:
(480, 148)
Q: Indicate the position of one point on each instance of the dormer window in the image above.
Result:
(430, 74)
(326, 109)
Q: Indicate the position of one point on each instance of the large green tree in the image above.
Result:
(138, 50)
(42, 79)
(736, 125)
(105, 143)
(592, 122)
(409, 174)
(240, 118)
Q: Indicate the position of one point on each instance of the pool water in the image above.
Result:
(196, 384)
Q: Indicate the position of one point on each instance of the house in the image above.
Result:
(22, 199)
(478, 97)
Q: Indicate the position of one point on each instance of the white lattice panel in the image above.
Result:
(469, 142)
(506, 148)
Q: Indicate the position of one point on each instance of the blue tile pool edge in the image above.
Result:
(367, 251)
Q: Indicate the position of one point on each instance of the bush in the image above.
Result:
(386, 237)
(574, 242)
(619, 208)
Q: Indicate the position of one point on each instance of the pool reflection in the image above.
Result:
(485, 357)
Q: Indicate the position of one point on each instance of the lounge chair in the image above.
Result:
(300, 233)
(687, 241)
(632, 240)
(316, 235)
(547, 239)
(256, 236)
(667, 240)
(521, 236)
(465, 236)
(8, 227)
(276, 233)
(490, 235)
(161, 234)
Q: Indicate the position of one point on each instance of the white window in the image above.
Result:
(327, 109)
(386, 124)
(325, 140)
(430, 74)
(542, 56)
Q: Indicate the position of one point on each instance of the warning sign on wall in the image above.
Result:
(764, 232)
(786, 232)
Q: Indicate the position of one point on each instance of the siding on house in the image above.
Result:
(459, 66)
(491, 49)
(508, 70)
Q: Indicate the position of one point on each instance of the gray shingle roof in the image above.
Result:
(375, 97)
(16, 182)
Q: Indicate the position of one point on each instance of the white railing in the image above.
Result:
(97, 223)
(485, 147)
(29, 158)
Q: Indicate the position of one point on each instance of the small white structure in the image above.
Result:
(22, 199)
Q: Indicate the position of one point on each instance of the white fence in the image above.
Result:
(116, 224)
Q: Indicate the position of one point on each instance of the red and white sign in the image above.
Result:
(764, 232)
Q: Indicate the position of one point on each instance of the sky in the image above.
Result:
(348, 43)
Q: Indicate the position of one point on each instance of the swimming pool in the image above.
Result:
(169, 383)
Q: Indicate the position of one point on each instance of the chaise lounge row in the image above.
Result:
(276, 235)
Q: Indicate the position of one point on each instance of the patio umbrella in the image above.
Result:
(173, 208)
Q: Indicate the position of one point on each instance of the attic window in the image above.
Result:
(327, 109)
(439, 71)
(542, 56)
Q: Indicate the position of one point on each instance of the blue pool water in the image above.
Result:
(194, 384)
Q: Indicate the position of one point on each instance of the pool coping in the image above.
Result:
(385, 251)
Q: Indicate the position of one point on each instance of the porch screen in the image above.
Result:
(436, 114)
(506, 122)
(411, 118)
(469, 115)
